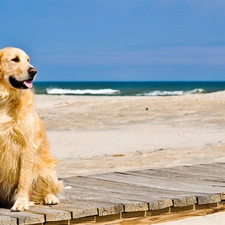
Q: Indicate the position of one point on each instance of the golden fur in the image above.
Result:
(27, 169)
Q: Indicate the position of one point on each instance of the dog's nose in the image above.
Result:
(32, 71)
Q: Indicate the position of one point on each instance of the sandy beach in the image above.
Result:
(101, 134)
(92, 135)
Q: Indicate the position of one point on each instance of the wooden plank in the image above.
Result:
(157, 182)
(201, 170)
(129, 205)
(24, 217)
(135, 207)
(211, 166)
(180, 173)
(129, 200)
(165, 176)
(182, 202)
(124, 189)
(160, 204)
(109, 195)
(204, 199)
(208, 199)
(51, 214)
(200, 178)
(121, 190)
(156, 199)
(122, 194)
(89, 205)
(7, 220)
(103, 204)
(183, 178)
(79, 210)
(189, 174)
(208, 170)
(105, 211)
(104, 188)
(117, 187)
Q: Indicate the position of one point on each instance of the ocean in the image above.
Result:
(149, 88)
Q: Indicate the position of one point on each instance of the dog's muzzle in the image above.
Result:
(24, 84)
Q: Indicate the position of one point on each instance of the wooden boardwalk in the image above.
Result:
(129, 195)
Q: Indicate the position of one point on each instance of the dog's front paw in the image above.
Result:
(21, 204)
(51, 199)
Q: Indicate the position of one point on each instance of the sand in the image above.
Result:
(101, 134)
(213, 219)
(92, 135)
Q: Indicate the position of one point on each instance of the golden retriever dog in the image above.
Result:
(27, 169)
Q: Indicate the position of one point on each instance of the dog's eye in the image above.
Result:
(28, 60)
(16, 59)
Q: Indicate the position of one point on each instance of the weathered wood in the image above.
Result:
(156, 200)
(211, 166)
(122, 195)
(179, 181)
(158, 182)
(197, 171)
(6, 220)
(209, 199)
(50, 213)
(105, 211)
(131, 201)
(95, 203)
(91, 206)
(182, 202)
(24, 217)
(119, 187)
(140, 192)
(195, 174)
(78, 209)
(134, 207)
(161, 204)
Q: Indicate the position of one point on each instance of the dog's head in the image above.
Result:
(15, 68)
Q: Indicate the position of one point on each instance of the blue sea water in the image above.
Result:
(150, 88)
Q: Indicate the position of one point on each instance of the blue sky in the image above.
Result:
(95, 40)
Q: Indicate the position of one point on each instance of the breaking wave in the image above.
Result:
(172, 93)
(60, 91)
